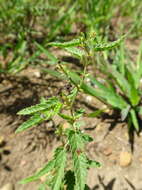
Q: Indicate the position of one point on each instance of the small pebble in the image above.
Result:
(107, 151)
(125, 159)
(8, 186)
(88, 99)
(37, 74)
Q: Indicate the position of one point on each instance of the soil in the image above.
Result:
(24, 153)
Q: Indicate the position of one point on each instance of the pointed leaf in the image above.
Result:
(102, 93)
(39, 107)
(47, 168)
(34, 120)
(75, 140)
(60, 163)
(80, 170)
(75, 51)
(134, 119)
(47, 53)
(109, 45)
(72, 43)
(54, 73)
(96, 113)
(125, 112)
(93, 164)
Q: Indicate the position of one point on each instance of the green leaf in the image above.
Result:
(78, 124)
(93, 164)
(34, 120)
(103, 93)
(78, 113)
(47, 53)
(54, 73)
(33, 109)
(72, 94)
(75, 51)
(139, 110)
(39, 107)
(139, 66)
(80, 170)
(42, 187)
(96, 113)
(110, 45)
(125, 112)
(134, 96)
(47, 168)
(47, 114)
(86, 137)
(66, 117)
(122, 82)
(76, 141)
(60, 163)
(72, 43)
(109, 95)
(134, 119)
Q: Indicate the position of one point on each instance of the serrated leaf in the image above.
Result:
(47, 114)
(33, 109)
(75, 51)
(47, 168)
(109, 45)
(75, 140)
(80, 170)
(72, 43)
(39, 107)
(86, 137)
(78, 124)
(60, 163)
(72, 94)
(34, 120)
(93, 164)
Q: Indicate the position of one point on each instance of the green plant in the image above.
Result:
(59, 173)
(122, 87)
(72, 137)
(73, 142)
